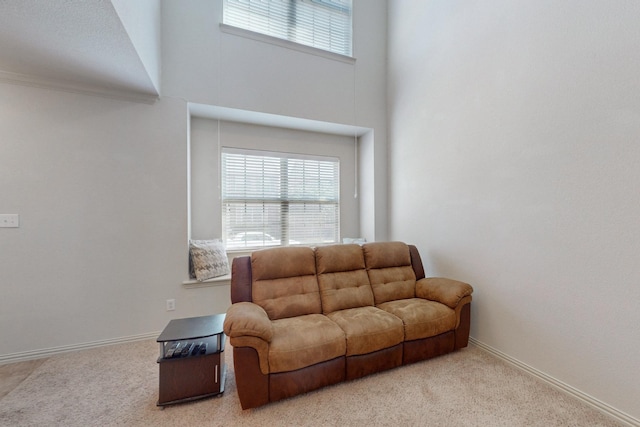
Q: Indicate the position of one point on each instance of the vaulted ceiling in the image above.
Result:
(72, 45)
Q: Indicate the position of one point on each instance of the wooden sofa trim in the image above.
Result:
(288, 384)
(426, 348)
(416, 262)
(377, 361)
(252, 385)
(463, 328)
(241, 279)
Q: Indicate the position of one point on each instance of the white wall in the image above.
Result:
(204, 65)
(141, 19)
(100, 187)
(514, 159)
(101, 184)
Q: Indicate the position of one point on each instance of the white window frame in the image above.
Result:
(285, 30)
(277, 208)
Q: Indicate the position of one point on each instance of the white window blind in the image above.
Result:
(324, 24)
(279, 199)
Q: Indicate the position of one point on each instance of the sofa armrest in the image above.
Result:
(446, 291)
(248, 319)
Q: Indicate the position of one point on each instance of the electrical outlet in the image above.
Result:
(9, 220)
(171, 304)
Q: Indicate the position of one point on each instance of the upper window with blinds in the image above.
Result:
(323, 24)
(279, 199)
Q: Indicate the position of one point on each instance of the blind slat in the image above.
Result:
(275, 199)
(324, 24)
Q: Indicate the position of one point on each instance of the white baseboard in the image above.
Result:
(46, 352)
(590, 400)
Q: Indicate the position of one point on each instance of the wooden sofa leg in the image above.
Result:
(462, 331)
(252, 384)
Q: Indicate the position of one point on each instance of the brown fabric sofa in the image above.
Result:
(304, 318)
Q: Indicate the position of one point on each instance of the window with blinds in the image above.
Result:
(278, 199)
(323, 24)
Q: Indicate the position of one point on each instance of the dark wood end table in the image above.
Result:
(191, 359)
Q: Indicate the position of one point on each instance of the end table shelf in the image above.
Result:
(191, 359)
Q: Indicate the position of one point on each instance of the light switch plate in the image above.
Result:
(9, 220)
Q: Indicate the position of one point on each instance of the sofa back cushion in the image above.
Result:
(342, 278)
(284, 282)
(390, 271)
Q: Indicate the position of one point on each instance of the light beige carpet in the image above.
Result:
(13, 374)
(118, 386)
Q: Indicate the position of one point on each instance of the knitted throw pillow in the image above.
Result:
(208, 259)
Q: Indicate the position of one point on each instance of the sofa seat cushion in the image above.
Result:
(368, 329)
(422, 318)
(302, 341)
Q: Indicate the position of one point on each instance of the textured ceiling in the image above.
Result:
(70, 43)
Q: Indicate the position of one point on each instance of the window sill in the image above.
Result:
(216, 281)
(229, 29)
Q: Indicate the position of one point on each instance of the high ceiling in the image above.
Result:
(70, 44)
